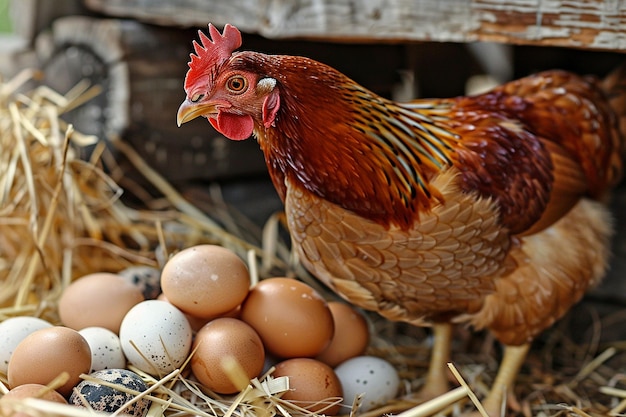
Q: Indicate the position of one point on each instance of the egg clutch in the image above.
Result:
(200, 314)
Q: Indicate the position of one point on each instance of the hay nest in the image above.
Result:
(62, 217)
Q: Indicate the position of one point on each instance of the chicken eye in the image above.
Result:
(237, 84)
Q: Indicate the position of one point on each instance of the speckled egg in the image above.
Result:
(155, 337)
(195, 322)
(13, 331)
(146, 278)
(103, 398)
(106, 349)
(373, 376)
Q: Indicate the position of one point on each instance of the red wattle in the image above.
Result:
(213, 123)
(233, 126)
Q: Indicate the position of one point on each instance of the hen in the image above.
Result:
(485, 210)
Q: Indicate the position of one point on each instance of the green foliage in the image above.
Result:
(6, 26)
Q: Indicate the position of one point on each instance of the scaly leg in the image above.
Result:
(512, 361)
(437, 377)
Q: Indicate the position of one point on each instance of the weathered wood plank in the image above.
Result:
(590, 24)
(29, 17)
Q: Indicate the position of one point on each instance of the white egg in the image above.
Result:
(13, 331)
(369, 375)
(155, 337)
(106, 349)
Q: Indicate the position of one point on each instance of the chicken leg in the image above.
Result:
(437, 378)
(512, 361)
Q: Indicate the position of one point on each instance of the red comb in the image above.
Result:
(211, 52)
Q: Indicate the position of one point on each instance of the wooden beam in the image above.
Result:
(585, 24)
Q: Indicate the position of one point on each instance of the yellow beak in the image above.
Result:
(189, 110)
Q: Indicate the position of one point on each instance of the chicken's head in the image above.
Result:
(234, 99)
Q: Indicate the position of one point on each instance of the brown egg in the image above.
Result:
(45, 354)
(205, 280)
(28, 391)
(351, 335)
(221, 339)
(292, 318)
(98, 300)
(312, 384)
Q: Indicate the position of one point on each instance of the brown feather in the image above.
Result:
(444, 265)
(554, 270)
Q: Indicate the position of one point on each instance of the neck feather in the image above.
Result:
(354, 148)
